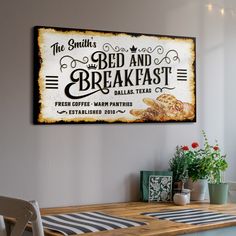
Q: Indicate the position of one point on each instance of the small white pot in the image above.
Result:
(198, 189)
(181, 199)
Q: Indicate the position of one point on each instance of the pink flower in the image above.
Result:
(195, 145)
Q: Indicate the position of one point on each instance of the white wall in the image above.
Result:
(230, 86)
(78, 164)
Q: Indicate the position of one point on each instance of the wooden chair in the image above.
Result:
(23, 212)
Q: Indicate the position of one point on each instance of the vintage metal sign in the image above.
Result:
(92, 76)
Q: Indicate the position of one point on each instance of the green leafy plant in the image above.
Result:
(215, 163)
(179, 166)
(199, 163)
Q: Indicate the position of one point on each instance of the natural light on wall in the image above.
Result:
(209, 7)
(222, 11)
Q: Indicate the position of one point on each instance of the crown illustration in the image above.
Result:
(133, 49)
(91, 66)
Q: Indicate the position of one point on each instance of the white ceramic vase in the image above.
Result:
(180, 199)
(198, 189)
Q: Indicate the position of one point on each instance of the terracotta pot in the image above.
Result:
(177, 187)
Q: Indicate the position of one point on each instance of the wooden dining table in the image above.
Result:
(133, 210)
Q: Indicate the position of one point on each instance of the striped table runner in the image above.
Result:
(192, 216)
(86, 222)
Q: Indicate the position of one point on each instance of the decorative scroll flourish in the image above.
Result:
(168, 57)
(160, 89)
(62, 112)
(103, 90)
(120, 111)
(73, 62)
(108, 46)
(158, 48)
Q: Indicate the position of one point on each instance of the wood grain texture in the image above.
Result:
(133, 210)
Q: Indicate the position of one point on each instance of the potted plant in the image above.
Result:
(190, 161)
(216, 164)
(205, 165)
(197, 170)
(179, 166)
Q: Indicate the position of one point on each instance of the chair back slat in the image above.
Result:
(23, 212)
(2, 227)
(37, 224)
